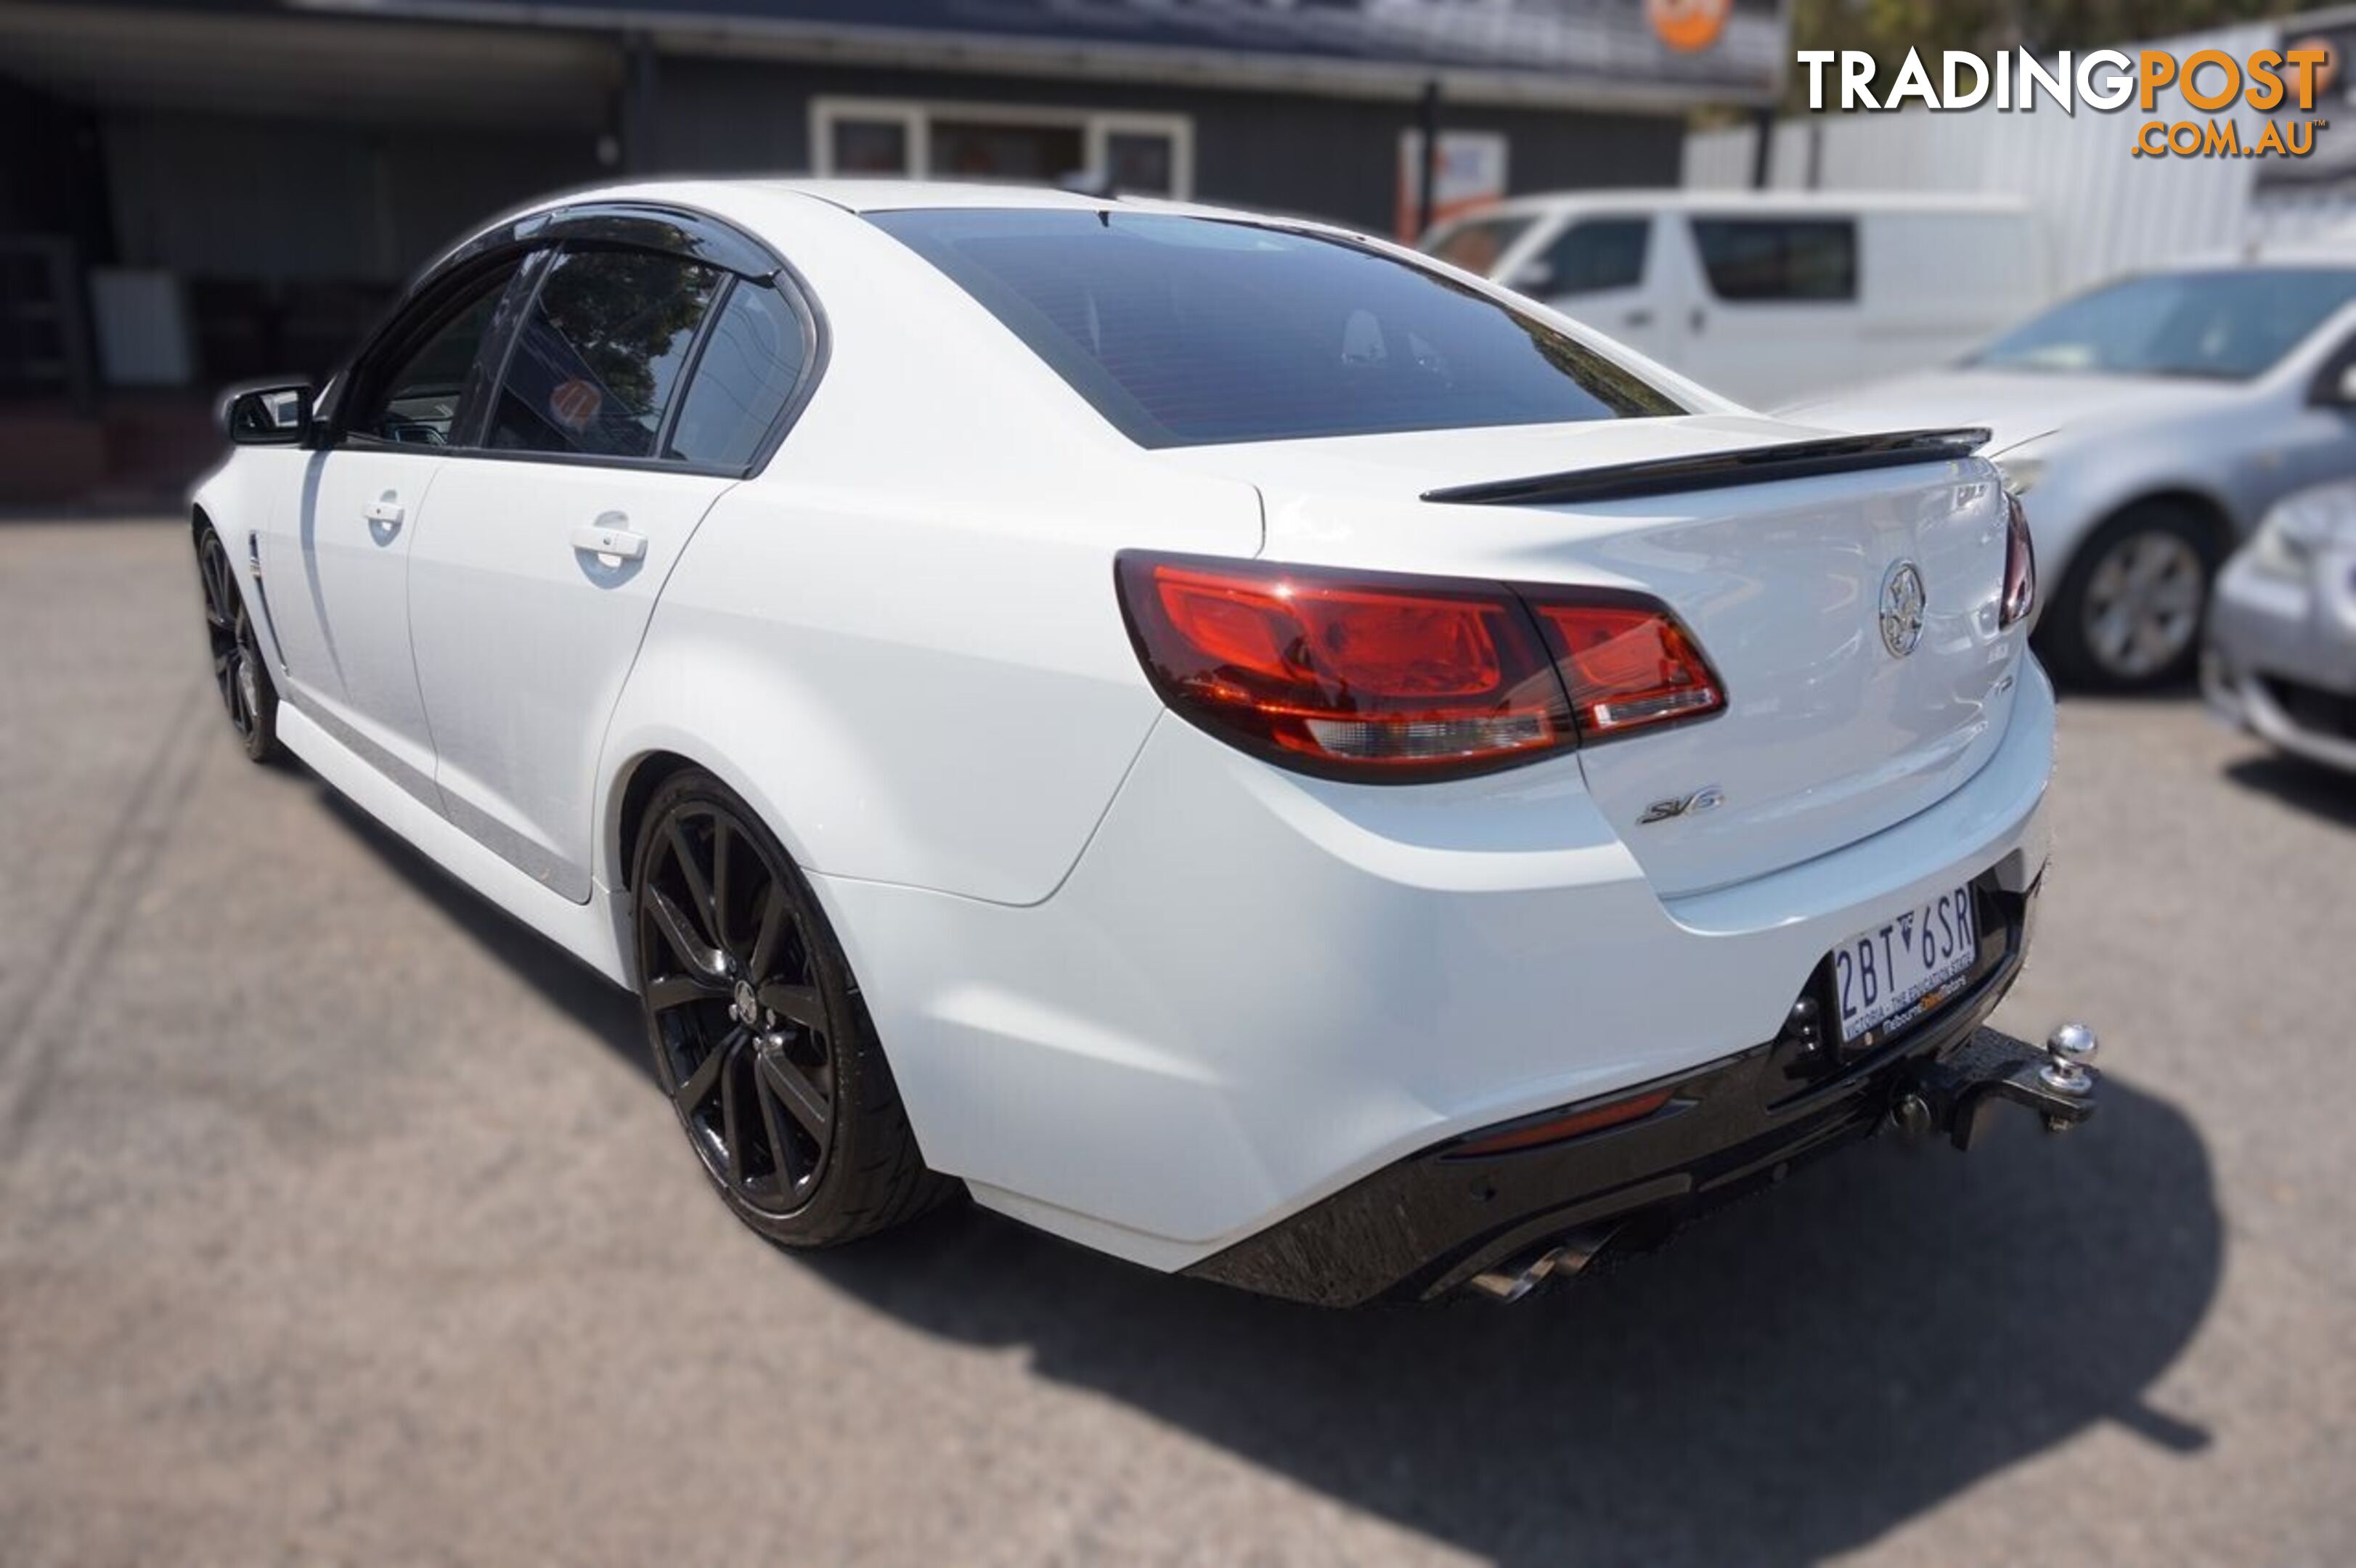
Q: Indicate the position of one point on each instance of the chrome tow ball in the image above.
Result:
(2070, 1060)
(1955, 1093)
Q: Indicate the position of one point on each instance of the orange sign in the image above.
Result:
(2327, 75)
(574, 403)
(1688, 25)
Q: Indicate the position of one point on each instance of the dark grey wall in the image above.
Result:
(1330, 157)
(220, 195)
(288, 233)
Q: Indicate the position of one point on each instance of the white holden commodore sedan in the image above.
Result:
(1226, 740)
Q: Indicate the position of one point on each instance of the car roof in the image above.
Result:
(901, 195)
(1761, 201)
(2305, 255)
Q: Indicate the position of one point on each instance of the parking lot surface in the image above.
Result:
(340, 1222)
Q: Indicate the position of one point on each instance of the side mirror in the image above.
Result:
(1535, 276)
(2343, 387)
(268, 416)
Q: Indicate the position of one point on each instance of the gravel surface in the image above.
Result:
(339, 1222)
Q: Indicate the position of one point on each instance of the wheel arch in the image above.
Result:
(628, 791)
(2205, 508)
(635, 788)
(646, 765)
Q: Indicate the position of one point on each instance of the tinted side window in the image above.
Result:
(415, 401)
(1601, 253)
(751, 361)
(1763, 259)
(600, 354)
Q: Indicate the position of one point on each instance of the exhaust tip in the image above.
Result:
(1514, 1280)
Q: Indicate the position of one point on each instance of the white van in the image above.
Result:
(1765, 295)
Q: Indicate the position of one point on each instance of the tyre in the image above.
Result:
(2130, 608)
(240, 671)
(759, 1037)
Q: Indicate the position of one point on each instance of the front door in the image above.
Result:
(338, 564)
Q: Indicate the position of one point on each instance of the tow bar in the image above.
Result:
(1957, 1095)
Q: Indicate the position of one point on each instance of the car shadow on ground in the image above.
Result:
(1786, 1380)
(2311, 787)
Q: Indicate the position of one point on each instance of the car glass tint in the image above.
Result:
(416, 403)
(2227, 324)
(1182, 331)
(1601, 253)
(1478, 244)
(751, 363)
(600, 354)
(1761, 261)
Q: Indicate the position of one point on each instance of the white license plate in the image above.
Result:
(1898, 968)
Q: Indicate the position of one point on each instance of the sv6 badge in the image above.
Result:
(1710, 797)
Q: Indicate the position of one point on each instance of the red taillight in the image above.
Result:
(1628, 664)
(2020, 566)
(1350, 674)
(1370, 676)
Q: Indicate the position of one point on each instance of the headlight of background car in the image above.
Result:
(2301, 525)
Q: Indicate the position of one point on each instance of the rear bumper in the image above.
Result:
(1427, 1223)
(1256, 989)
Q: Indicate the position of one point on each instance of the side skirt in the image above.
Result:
(588, 930)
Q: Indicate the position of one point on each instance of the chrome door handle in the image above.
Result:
(598, 538)
(385, 514)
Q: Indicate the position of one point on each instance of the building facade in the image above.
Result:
(195, 192)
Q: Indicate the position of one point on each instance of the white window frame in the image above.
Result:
(915, 117)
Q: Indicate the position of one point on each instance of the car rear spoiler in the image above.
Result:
(1717, 469)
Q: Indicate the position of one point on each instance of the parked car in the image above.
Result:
(2150, 423)
(1764, 297)
(2282, 641)
(1211, 735)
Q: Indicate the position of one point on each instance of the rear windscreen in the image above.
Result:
(1185, 331)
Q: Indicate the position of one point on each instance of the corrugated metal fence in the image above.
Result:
(2106, 209)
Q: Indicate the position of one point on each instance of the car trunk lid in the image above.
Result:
(1831, 733)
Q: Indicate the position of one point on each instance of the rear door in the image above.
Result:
(1775, 305)
(640, 385)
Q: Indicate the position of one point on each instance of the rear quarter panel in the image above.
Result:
(900, 642)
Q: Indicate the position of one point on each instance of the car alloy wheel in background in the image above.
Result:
(2131, 610)
(2143, 603)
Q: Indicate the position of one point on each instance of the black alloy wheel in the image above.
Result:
(758, 1035)
(239, 669)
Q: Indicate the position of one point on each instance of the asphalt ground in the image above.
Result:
(340, 1222)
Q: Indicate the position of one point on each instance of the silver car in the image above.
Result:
(2148, 425)
(2281, 660)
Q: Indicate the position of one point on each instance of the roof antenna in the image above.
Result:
(1097, 183)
